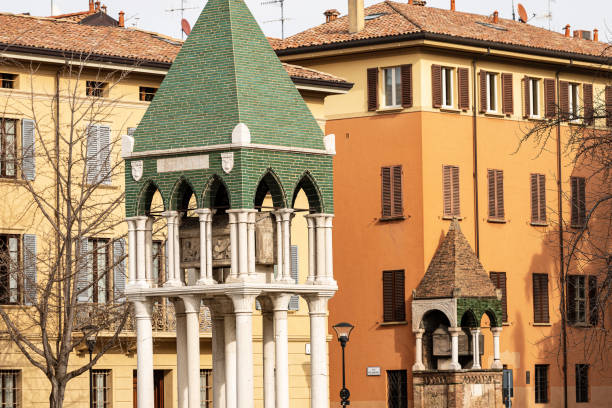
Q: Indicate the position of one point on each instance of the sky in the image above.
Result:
(156, 15)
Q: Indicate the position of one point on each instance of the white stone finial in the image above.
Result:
(241, 135)
(127, 145)
(330, 143)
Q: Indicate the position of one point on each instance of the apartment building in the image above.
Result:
(432, 132)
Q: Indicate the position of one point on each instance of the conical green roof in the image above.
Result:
(225, 74)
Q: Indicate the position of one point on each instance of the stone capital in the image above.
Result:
(475, 330)
(192, 303)
(454, 331)
(266, 304)
(496, 331)
(419, 333)
(179, 306)
(204, 214)
(280, 301)
(317, 303)
(143, 308)
(243, 302)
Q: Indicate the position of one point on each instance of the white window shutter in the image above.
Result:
(92, 154)
(29, 266)
(83, 274)
(294, 303)
(104, 154)
(28, 164)
(119, 270)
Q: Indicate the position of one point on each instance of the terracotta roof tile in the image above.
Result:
(455, 266)
(295, 71)
(398, 19)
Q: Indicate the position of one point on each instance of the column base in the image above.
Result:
(418, 367)
(454, 366)
(174, 284)
(497, 365)
(476, 367)
(138, 285)
(240, 279)
(206, 282)
(325, 281)
(287, 280)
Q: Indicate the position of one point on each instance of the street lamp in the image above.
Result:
(343, 330)
(90, 341)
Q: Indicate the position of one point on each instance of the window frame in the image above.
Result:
(398, 306)
(541, 394)
(537, 183)
(147, 93)
(16, 388)
(447, 76)
(504, 289)
(492, 95)
(7, 297)
(578, 202)
(106, 390)
(7, 79)
(538, 277)
(535, 111)
(94, 295)
(402, 382)
(206, 391)
(454, 195)
(396, 198)
(585, 309)
(4, 150)
(573, 101)
(499, 205)
(158, 261)
(396, 87)
(582, 383)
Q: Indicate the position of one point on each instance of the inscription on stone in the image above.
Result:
(185, 163)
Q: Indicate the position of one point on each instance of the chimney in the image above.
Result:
(104, 8)
(596, 35)
(331, 15)
(121, 19)
(97, 6)
(92, 6)
(567, 30)
(496, 17)
(356, 17)
(452, 5)
(411, 2)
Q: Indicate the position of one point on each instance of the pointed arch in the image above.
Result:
(311, 189)
(494, 320)
(469, 319)
(181, 193)
(145, 197)
(216, 193)
(270, 183)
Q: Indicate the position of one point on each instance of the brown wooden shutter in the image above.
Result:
(540, 298)
(526, 97)
(483, 91)
(463, 78)
(582, 200)
(574, 199)
(456, 196)
(571, 299)
(499, 187)
(398, 205)
(406, 86)
(447, 190)
(609, 106)
(508, 96)
(399, 303)
(542, 196)
(550, 96)
(436, 85)
(578, 215)
(535, 205)
(492, 204)
(593, 301)
(499, 280)
(372, 89)
(564, 99)
(388, 292)
(386, 191)
(587, 91)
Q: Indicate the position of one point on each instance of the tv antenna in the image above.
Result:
(182, 10)
(282, 19)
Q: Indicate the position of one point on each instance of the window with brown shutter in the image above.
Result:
(564, 99)
(540, 298)
(581, 303)
(609, 105)
(483, 91)
(538, 199)
(394, 303)
(392, 201)
(587, 91)
(499, 280)
(496, 195)
(372, 89)
(507, 95)
(578, 215)
(436, 85)
(406, 86)
(463, 82)
(550, 95)
(450, 186)
(527, 96)
(593, 301)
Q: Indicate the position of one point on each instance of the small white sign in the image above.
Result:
(185, 163)
(373, 371)
(307, 349)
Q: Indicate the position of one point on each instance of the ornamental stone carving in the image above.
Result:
(421, 306)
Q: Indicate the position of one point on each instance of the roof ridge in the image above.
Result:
(401, 13)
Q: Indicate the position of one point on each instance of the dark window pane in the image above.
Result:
(397, 389)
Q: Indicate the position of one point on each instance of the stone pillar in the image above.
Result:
(141, 256)
(149, 251)
(218, 353)
(454, 332)
(329, 259)
(181, 354)
(311, 250)
(143, 311)
(418, 351)
(279, 245)
(321, 250)
(269, 347)
(280, 303)
(230, 357)
(251, 218)
(319, 368)
(192, 324)
(233, 225)
(205, 216)
(132, 250)
(476, 348)
(243, 244)
(497, 364)
(243, 309)
(173, 275)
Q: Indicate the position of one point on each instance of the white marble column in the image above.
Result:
(311, 250)
(269, 359)
(218, 353)
(242, 238)
(205, 216)
(230, 357)
(321, 277)
(319, 366)
(243, 309)
(132, 250)
(233, 226)
(287, 215)
(329, 259)
(192, 323)
(181, 354)
(149, 251)
(173, 250)
(141, 252)
(143, 311)
(497, 364)
(454, 333)
(251, 219)
(279, 246)
(476, 348)
(280, 302)
(418, 351)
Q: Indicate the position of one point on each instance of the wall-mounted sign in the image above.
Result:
(373, 371)
(307, 349)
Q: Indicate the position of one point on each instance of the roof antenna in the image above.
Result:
(182, 10)
(513, 13)
(282, 19)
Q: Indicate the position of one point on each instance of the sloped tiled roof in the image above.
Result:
(399, 20)
(76, 17)
(296, 71)
(455, 266)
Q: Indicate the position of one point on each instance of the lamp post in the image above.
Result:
(343, 330)
(90, 341)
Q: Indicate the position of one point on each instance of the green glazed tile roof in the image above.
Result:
(225, 74)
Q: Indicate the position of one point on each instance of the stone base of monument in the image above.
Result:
(457, 389)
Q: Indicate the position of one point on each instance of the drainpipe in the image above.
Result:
(475, 158)
(57, 187)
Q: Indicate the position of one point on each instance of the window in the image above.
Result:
(8, 147)
(96, 89)
(10, 383)
(491, 92)
(582, 308)
(447, 87)
(393, 87)
(392, 205)
(608, 103)
(499, 280)
(206, 393)
(582, 383)
(8, 81)
(98, 270)
(101, 388)
(538, 199)
(578, 185)
(397, 389)
(496, 195)
(450, 182)
(541, 384)
(540, 298)
(573, 101)
(158, 263)
(10, 283)
(98, 154)
(394, 306)
(534, 98)
(147, 94)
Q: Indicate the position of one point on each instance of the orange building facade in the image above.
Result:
(444, 98)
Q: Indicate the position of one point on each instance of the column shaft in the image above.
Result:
(418, 351)
(144, 347)
(218, 355)
(205, 218)
(192, 323)
(319, 369)
(497, 364)
(251, 242)
(311, 249)
(243, 309)
(181, 355)
(281, 336)
(287, 246)
(230, 360)
(177, 252)
(476, 348)
(329, 259)
(321, 250)
(209, 260)
(141, 260)
(454, 332)
(149, 251)
(132, 244)
(173, 250)
(268, 359)
(234, 245)
(279, 246)
(243, 259)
